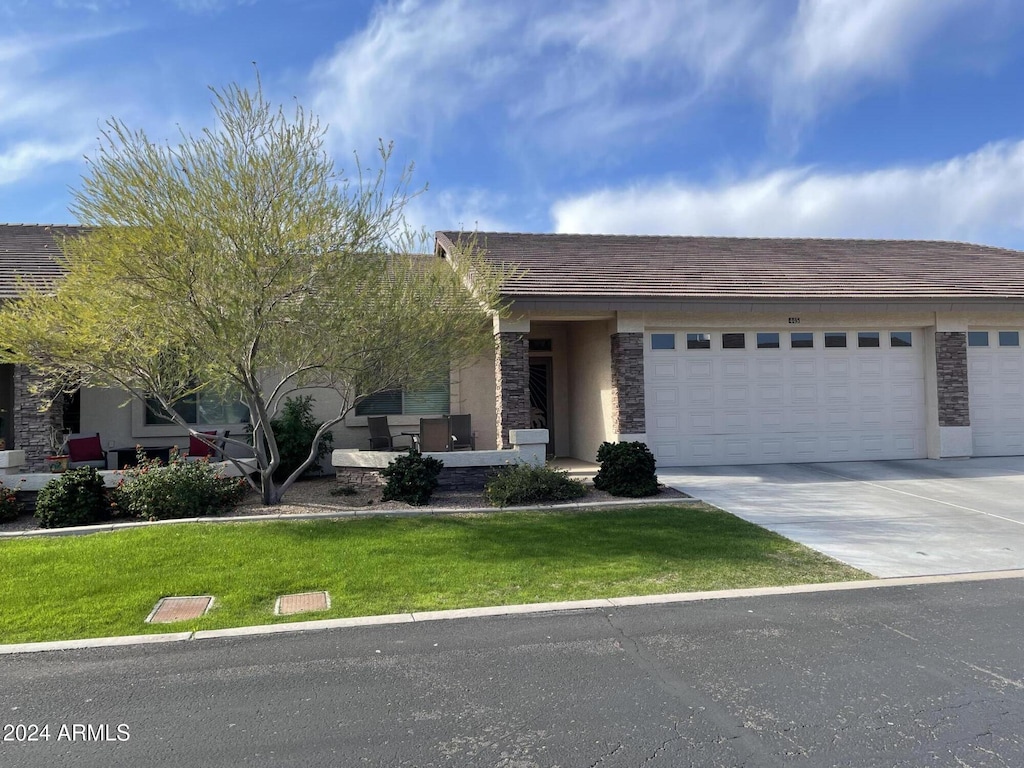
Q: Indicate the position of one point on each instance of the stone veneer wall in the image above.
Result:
(450, 479)
(32, 427)
(628, 408)
(512, 383)
(951, 378)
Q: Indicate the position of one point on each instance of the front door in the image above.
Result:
(540, 399)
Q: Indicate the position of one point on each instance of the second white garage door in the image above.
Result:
(995, 376)
(784, 396)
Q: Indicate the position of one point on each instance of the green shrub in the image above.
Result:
(411, 478)
(76, 497)
(181, 489)
(627, 469)
(525, 484)
(10, 507)
(294, 431)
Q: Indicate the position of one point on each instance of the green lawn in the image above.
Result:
(107, 583)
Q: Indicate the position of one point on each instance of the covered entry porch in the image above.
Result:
(581, 377)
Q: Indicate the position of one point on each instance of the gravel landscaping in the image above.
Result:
(315, 495)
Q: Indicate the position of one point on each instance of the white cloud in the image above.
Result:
(580, 73)
(46, 118)
(413, 65)
(470, 210)
(977, 197)
(834, 44)
(23, 159)
(556, 76)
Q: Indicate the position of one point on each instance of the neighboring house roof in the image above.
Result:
(28, 255)
(627, 266)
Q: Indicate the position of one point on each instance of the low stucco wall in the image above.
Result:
(462, 470)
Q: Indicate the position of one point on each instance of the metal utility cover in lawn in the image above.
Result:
(171, 609)
(302, 602)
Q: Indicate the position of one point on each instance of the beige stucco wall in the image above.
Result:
(120, 419)
(473, 393)
(590, 387)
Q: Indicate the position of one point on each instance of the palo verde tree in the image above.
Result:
(240, 262)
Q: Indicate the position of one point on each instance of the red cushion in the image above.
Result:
(197, 447)
(86, 449)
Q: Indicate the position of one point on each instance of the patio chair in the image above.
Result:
(380, 435)
(85, 450)
(200, 450)
(462, 432)
(435, 435)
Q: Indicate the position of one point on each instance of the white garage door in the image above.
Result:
(784, 396)
(995, 374)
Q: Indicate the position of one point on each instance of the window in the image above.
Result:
(767, 341)
(431, 400)
(835, 339)
(1009, 339)
(868, 339)
(977, 338)
(663, 341)
(734, 341)
(801, 340)
(200, 408)
(900, 339)
(540, 345)
(698, 341)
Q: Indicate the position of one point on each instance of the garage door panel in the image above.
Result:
(907, 418)
(871, 392)
(700, 396)
(771, 421)
(667, 423)
(1007, 365)
(664, 371)
(806, 448)
(836, 367)
(736, 421)
(735, 395)
(666, 396)
(871, 418)
(839, 447)
(804, 368)
(700, 370)
(782, 405)
(804, 394)
(769, 394)
(870, 369)
(837, 394)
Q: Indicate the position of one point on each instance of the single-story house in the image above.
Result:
(710, 349)
(721, 350)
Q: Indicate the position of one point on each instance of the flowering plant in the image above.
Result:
(10, 507)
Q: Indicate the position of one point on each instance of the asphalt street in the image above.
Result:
(898, 676)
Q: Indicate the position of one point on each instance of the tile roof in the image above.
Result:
(626, 266)
(27, 254)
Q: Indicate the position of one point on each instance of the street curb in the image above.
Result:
(508, 610)
(82, 530)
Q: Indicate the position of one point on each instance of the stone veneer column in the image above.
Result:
(512, 383)
(628, 407)
(951, 379)
(32, 427)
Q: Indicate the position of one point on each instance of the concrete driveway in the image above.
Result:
(889, 518)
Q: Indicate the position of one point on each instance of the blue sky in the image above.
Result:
(831, 118)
